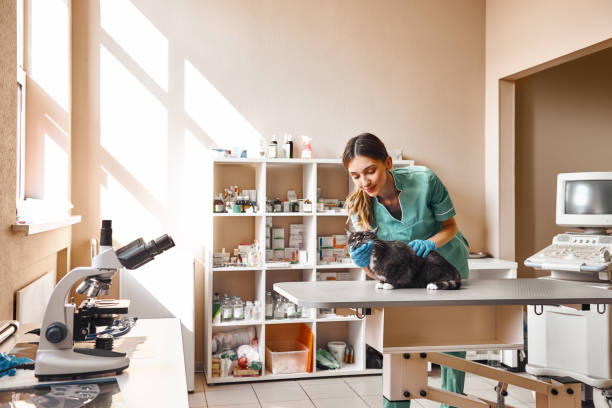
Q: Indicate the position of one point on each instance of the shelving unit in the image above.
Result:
(272, 178)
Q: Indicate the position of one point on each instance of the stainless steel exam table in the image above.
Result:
(412, 326)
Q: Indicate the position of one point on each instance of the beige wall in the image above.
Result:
(409, 71)
(521, 35)
(22, 258)
(563, 124)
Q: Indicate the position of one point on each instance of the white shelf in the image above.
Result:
(338, 319)
(342, 213)
(287, 321)
(238, 160)
(271, 267)
(337, 266)
(237, 268)
(269, 376)
(272, 177)
(239, 323)
(289, 214)
(37, 227)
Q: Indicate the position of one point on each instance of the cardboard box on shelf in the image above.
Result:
(326, 242)
(278, 243)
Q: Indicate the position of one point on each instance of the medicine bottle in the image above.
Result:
(227, 309)
(238, 308)
(273, 148)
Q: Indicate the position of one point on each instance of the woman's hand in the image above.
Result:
(361, 255)
(422, 247)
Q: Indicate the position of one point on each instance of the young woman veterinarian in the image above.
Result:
(407, 204)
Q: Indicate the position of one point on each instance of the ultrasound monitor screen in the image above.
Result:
(588, 197)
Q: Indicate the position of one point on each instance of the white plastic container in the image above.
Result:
(337, 348)
(286, 357)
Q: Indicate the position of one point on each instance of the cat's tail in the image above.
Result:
(448, 284)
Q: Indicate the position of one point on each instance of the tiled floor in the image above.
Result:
(335, 392)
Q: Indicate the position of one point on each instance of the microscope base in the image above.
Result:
(74, 363)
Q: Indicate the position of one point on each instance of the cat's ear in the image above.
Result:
(375, 230)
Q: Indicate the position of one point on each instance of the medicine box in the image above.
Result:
(279, 254)
(340, 241)
(326, 242)
(326, 276)
(278, 243)
(278, 233)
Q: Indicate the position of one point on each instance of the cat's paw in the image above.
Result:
(432, 286)
(387, 286)
(379, 285)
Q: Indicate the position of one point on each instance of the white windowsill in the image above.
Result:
(36, 227)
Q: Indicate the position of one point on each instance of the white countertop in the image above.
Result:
(156, 375)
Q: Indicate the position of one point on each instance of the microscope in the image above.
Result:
(62, 325)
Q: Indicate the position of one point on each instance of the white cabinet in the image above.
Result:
(272, 178)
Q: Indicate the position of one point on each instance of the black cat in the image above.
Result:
(396, 265)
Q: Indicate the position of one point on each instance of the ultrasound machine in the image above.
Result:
(584, 202)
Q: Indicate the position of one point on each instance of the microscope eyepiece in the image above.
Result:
(137, 253)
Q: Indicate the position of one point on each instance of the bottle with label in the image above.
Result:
(273, 148)
(257, 310)
(269, 305)
(238, 308)
(289, 147)
(279, 309)
(227, 309)
(216, 308)
(249, 311)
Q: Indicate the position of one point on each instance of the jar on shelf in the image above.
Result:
(249, 311)
(218, 205)
(277, 206)
(257, 310)
(269, 305)
(279, 309)
(227, 309)
(238, 308)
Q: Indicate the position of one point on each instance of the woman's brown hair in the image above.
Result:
(358, 202)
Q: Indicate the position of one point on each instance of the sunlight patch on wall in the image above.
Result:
(55, 172)
(215, 115)
(131, 220)
(49, 48)
(133, 126)
(138, 37)
(195, 185)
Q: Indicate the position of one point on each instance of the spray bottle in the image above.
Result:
(306, 147)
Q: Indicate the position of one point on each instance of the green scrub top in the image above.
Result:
(425, 203)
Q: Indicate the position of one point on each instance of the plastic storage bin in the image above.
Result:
(286, 357)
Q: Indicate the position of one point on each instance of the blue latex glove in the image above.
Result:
(361, 255)
(9, 360)
(422, 247)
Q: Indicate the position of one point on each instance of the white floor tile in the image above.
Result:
(374, 401)
(362, 378)
(280, 392)
(354, 402)
(236, 406)
(330, 380)
(196, 399)
(288, 404)
(422, 403)
(521, 394)
(328, 390)
(232, 396)
(367, 387)
(227, 387)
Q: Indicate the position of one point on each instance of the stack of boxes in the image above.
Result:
(275, 244)
(333, 249)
